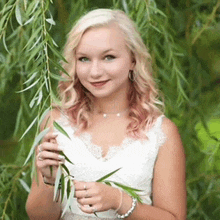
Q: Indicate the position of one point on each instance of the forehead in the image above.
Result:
(101, 38)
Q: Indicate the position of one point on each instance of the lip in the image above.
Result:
(99, 83)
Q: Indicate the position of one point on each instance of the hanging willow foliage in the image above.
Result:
(178, 35)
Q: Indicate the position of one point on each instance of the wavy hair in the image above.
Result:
(144, 105)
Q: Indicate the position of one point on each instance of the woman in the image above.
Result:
(110, 111)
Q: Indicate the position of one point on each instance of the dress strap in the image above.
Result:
(159, 121)
(158, 129)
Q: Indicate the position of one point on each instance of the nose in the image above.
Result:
(96, 70)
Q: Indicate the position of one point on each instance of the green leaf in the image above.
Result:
(58, 77)
(36, 141)
(31, 78)
(59, 55)
(107, 183)
(29, 127)
(95, 214)
(24, 184)
(66, 158)
(59, 67)
(4, 43)
(35, 52)
(51, 21)
(33, 36)
(129, 190)
(33, 84)
(69, 201)
(18, 121)
(126, 187)
(6, 217)
(29, 20)
(106, 176)
(51, 170)
(40, 96)
(68, 190)
(34, 45)
(62, 187)
(2, 21)
(44, 115)
(57, 182)
(66, 169)
(55, 99)
(60, 129)
(18, 14)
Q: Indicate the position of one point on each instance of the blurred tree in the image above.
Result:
(183, 38)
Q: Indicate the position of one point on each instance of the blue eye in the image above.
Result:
(110, 57)
(83, 59)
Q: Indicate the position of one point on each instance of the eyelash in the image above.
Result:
(111, 57)
(82, 59)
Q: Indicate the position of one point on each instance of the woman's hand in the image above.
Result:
(96, 197)
(48, 156)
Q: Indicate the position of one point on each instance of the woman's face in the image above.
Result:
(103, 62)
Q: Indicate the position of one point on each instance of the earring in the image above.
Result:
(131, 75)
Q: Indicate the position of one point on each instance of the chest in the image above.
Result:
(107, 133)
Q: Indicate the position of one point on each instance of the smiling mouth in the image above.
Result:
(99, 84)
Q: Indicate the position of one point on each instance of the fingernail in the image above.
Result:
(60, 148)
(55, 133)
(61, 162)
(61, 157)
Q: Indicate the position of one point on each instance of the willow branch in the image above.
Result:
(210, 19)
(15, 179)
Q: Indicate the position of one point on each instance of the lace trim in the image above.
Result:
(97, 151)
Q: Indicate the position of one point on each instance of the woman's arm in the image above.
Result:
(169, 189)
(40, 204)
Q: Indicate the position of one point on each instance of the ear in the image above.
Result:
(133, 63)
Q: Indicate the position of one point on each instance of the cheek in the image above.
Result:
(119, 68)
(81, 71)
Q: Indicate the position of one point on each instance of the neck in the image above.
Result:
(112, 106)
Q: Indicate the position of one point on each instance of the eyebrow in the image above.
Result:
(106, 51)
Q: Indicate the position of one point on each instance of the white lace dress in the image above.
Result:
(135, 158)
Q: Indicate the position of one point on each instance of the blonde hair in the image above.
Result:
(143, 95)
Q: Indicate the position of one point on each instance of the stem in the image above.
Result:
(46, 53)
(210, 19)
(8, 17)
(14, 182)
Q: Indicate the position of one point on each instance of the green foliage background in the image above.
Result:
(183, 38)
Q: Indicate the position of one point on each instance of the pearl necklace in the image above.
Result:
(118, 114)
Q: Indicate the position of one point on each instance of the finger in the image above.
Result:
(83, 194)
(48, 146)
(86, 201)
(50, 135)
(88, 209)
(50, 155)
(79, 186)
(46, 163)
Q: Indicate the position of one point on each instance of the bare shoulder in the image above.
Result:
(169, 127)
(173, 139)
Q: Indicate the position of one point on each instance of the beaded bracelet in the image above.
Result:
(130, 211)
